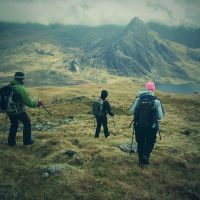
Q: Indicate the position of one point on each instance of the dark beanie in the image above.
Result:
(104, 94)
(19, 75)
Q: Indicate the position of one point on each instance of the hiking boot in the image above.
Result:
(11, 144)
(145, 160)
(28, 143)
(142, 165)
(107, 135)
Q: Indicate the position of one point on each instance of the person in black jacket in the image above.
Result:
(149, 108)
(101, 117)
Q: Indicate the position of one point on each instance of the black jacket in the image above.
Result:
(106, 108)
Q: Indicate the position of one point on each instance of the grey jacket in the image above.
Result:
(158, 105)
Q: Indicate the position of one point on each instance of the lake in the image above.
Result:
(188, 88)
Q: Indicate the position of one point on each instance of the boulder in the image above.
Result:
(73, 66)
(127, 147)
(70, 153)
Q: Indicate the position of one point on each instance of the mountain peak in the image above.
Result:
(136, 24)
(136, 20)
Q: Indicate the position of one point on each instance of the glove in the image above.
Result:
(113, 115)
(40, 103)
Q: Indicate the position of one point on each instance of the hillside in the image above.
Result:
(188, 36)
(139, 52)
(67, 162)
(134, 50)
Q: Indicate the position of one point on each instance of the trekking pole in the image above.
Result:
(93, 110)
(159, 128)
(47, 110)
(132, 141)
(131, 123)
(94, 121)
(159, 134)
(51, 114)
(5, 127)
(113, 121)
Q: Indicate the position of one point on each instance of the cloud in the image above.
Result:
(98, 12)
(176, 12)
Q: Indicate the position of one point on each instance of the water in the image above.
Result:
(188, 88)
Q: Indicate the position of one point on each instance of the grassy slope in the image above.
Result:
(186, 63)
(100, 170)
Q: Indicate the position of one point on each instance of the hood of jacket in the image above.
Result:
(145, 92)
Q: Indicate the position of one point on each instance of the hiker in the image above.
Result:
(21, 99)
(100, 109)
(147, 110)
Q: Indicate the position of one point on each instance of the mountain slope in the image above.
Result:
(184, 35)
(136, 51)
(133, 50)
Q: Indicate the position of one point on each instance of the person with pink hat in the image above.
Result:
(150, 86)
(147, 110)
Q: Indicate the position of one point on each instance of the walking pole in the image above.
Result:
(158, 125)
(113, 121)
(5, 127)
(43, 106)
(93, 110)
(47, 110)
(159, 134)
(132, 135)
(131, 123)
(132, 141)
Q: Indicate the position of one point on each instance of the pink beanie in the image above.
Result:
(150, 86)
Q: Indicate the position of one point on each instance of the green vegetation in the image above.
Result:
(98, 169)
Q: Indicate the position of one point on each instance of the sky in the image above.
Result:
(99, 12)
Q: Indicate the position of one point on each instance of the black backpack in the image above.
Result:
(6, 99)
(145, 112)
(98, 107)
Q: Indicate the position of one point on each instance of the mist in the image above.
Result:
(99, 12)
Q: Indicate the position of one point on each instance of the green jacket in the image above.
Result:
(21, 97)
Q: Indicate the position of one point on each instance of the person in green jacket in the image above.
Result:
(21, 99)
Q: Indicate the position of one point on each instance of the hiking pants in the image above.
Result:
(101, 120)
(14, 120)
(145, 138)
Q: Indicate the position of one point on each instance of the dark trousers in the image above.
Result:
(14, 120)
(145, 138)
(101, 120)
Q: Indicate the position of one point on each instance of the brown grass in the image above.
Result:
(99, 170)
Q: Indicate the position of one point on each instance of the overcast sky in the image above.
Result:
(98, 12)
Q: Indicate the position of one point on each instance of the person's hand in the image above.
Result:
(112, 115)
(40, 103)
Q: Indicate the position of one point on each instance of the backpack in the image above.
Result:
(145, 112)
(98, 107)
(6, 99)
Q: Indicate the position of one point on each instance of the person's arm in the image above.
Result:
(132, 110)
(159, 109)
(26, 99)
(108, 108)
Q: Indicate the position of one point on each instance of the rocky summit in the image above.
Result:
(138, 49)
